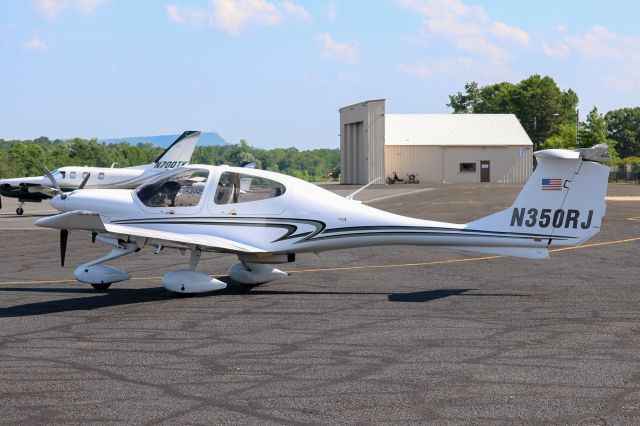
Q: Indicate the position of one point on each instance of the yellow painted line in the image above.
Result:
(397, 265)
(623, 198)
(354, 268)
(605, 243)
(634, 218)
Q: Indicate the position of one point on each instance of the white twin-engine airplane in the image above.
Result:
(201, 208)
(38, 188)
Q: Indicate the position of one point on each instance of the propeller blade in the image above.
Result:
(94, 234)
(64, 236)
(53, 181)
(0, 202)
(84, 181)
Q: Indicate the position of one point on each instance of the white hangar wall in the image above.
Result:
(438, 164)
(436, 147)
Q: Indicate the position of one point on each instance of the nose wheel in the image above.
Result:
(101, 287)
(20, 210)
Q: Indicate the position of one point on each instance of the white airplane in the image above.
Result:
(201, 208)
(38, 188)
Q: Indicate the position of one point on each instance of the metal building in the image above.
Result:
(435, 147)
(362, 137)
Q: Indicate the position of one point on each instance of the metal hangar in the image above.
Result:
(436, 148)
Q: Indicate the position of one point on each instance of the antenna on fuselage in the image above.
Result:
(353, 194)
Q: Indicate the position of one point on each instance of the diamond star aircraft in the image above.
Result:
(266, 218)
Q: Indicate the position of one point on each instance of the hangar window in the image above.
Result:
(183, 189)
(72, 175)
(241, 188)
(467, 167)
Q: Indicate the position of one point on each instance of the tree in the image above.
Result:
(27, 159)
(565, 138)
(537, 101)
(594, 131)
(623, 126)
(24, 158)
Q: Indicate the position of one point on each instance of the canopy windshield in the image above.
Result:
(183, 189)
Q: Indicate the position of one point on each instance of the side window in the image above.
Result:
(63, 174)
(84, 174)
(242, 188)
(72, 175)
(100, 176)
(179, 190)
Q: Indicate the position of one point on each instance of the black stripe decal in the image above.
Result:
(320, 229)
(427, 228)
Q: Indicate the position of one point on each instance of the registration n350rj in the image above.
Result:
(266, 218)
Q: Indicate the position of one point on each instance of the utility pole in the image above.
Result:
(577, 126)
(535, 132)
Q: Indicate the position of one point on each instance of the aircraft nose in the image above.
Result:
(58, 203)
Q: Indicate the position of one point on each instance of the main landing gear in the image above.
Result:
(182, 281)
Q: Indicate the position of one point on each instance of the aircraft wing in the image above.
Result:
(91, 221)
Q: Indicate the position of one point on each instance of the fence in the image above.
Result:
(625, 173)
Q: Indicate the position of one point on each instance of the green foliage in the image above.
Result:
(594, 131)
(623, 126)
(628, 160)
(310, 165)
(537, 101)
(27, 158)
(565, 138)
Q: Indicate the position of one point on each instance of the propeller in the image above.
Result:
(64, 236)
(55, 183)
(84, 181)
(0, 202)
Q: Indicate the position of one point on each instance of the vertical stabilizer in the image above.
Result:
(179, 152)
(562, 203)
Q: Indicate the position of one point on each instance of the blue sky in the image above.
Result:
(276, 72)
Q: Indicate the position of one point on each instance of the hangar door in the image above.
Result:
(356, 152)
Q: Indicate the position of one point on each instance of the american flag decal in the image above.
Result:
(552, 184)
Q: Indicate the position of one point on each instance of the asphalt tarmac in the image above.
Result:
(400, 335)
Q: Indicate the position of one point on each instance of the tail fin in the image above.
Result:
(562, 204)
(179, 152)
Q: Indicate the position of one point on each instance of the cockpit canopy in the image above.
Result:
(185, 188)
(182, 189)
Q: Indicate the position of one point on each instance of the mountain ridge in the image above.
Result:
(163, 141)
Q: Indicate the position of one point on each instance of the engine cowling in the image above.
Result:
(100, 274)
(255, 273)
(189, 281)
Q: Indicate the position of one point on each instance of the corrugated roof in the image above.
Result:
(454, 130)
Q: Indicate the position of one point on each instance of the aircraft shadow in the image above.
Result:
(124, 296)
